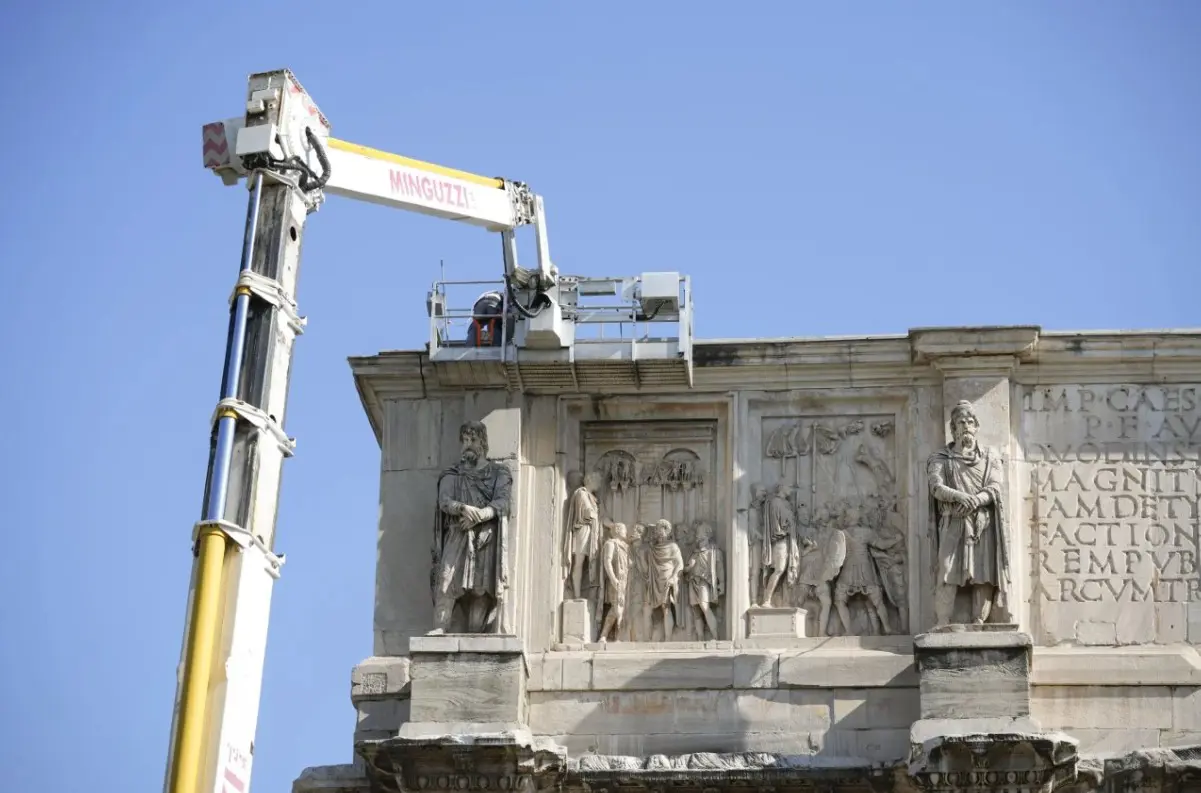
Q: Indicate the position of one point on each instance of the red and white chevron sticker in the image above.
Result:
(216, 146)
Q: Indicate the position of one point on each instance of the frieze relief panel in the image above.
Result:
(826, 524)
(640, 540)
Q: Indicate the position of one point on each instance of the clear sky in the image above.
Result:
(818, 168)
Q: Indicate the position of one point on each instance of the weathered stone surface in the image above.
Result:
(1110, 494)
(462, 757)
(1072, 707)
(662, 670)
(467, 678)
(346, 778)
(764, 622)
(577, 621)
(1128, 666)
(380, 717)
(380, 678)
(959, 754)
(974, 674)
(846, 669)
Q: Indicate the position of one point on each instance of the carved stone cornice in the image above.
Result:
(507, 760)
(1021, 762)
(893, 361)
(742, 771)
(958, 344)
(973, 764)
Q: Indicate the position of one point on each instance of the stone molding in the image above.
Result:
(841, 362)
(1147, 771)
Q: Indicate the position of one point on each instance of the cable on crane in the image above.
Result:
(309, 180)
(537, 305)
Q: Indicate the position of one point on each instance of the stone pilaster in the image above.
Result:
(976, 366)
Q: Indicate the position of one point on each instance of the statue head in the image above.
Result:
(758, 493)
(704, 534)
(964, 423)
(617, 530)
(636, 532)
(574, 481)
(473, 439)
(592, 481)
(663, 530)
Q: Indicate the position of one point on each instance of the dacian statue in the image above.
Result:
(470, 537)
(970, 530)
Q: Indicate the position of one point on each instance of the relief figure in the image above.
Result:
(822, 552)
(858, 575)
(706, 579)
(970, 528)
(616, 563)
(470, 537)
(889, 552)
(777, 546)
(666, 565)
(638, 619)
(581, 537)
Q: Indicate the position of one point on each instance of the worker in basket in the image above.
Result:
(487, 313)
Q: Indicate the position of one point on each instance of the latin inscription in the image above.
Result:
(1113, 493)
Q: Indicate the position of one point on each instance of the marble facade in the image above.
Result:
(782, 629)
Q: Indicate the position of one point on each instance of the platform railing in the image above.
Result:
(610, 320)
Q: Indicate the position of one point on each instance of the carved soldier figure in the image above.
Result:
(616, 556)
(858, 574)
(822, 552)
(666, 564)
(581, 539)
(470, 536)
(706, 578)
(970, 530)
(889, 552)
(779, 552)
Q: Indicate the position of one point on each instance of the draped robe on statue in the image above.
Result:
(779, 527)
(666, 564)
(583, 534)
(970, 549)
(472, 561)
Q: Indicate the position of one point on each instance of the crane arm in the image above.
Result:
(380, 177)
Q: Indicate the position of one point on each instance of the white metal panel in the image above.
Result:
(237, 684)
(393, 184)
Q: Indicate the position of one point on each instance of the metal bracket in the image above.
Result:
(258, 419)
(270, 291)
(243, 539)
(523, 202)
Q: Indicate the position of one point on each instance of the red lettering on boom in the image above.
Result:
(435, 190)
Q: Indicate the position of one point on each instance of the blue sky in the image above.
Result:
(818, 168)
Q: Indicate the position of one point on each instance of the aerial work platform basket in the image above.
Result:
(622, 332)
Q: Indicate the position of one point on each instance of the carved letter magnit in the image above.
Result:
(970, 529)
(470, 537)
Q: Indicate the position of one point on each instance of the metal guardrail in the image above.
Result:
(601, 328)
